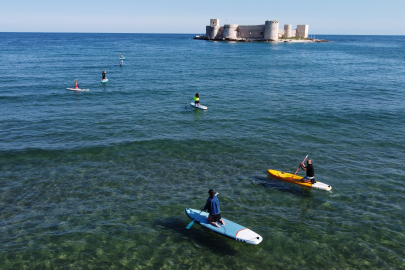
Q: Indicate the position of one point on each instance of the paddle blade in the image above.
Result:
(191, 224)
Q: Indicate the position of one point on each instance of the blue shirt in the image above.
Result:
(212, 205)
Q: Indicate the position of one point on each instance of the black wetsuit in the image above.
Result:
(310, 170)
(103, 75)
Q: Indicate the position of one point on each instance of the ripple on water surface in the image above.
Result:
(100, 180)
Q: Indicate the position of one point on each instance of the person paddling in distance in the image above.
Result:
(121, 56)
(310, 177)
(196, 99)
(212, 206)
(104, 73)
(76, 84)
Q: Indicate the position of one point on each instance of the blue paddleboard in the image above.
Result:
(104, 81)
(123, 58)
(202, 107)
(230, 229)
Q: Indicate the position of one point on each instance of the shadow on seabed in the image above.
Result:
(283, 186)
(201, 237)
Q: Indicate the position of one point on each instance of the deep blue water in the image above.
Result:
(100, 179)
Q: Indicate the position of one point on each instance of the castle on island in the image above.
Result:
(269, 31)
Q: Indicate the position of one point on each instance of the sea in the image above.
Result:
(101, 179)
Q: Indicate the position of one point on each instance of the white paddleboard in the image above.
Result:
(202, 107)
(104, 81)
(230, 229)
(77, 89)
(320, 185)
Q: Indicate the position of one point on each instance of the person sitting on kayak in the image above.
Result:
(310, 177)
(196, 99)
(104, 72)
(76, 84)
(212, 206)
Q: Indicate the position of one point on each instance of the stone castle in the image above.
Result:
(269, 31)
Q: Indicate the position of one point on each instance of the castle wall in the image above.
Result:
(282, 31)
(251, 31)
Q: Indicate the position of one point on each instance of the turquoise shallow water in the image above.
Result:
(100, 180)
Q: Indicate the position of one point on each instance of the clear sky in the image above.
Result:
(352, 17)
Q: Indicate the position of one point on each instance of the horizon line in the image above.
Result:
(22, 32)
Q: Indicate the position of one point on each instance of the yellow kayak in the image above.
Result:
(297, 180)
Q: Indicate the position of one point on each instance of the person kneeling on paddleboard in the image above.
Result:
(196, 99)
(310, 177)
(212, 206)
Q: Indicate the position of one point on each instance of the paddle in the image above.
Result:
(298, 168)
(192, 222)
(188, 101)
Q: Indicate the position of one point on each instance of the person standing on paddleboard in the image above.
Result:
(310, 177)
(76, 84)
(212, 206)
(104, 72)
(196, 99)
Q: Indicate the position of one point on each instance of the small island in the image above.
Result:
(267, 32)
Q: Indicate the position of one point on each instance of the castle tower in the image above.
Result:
(287, 30)
(271, 30)
(212, 31)
(214, 22)
(302, 31)
(230, 31)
